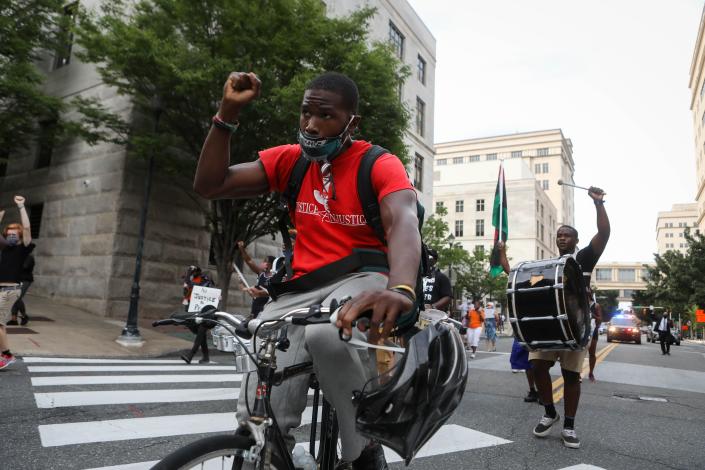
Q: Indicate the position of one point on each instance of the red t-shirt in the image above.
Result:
(328, 229)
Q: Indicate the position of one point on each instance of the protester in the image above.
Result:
(519, 360)
(663, 327)
(15, 246)
(19, 309)
(196, 277)
(476, 318)
(491, 327)
(436, 285)
(330, 223)
(264, 271)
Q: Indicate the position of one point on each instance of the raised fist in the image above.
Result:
(240, 88)
(596, 193)
(19, 200)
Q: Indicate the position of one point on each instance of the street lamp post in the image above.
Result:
(130, 333)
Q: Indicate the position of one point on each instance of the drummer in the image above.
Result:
(571, 361)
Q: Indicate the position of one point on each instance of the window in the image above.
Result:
(459, 206)
(491, 156)
(542, 152)
(45, 143)
(626, 275)
(420, 116)
(538, 226)
(537, 168)
(544, 168)
(516, 154)
(603, 274)
(542, 211)
(544, 185)
(442, 161)
(439, 204)
(418, 172)
(421, 70)
(479, 250)
(474, 158)
(537, 206)
(543, 256)
(63, 53)
(35, 219)
(480, 205)
(628, 293)
(542, 231)
(645, 276)
(480, 228)
(682, 245)
(458, 228)
(538, 253)
(397, 40)
(680, 235)
(457, 160)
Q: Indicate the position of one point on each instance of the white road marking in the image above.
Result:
(132, 379)
(85, 432)
(121, 397)
(582, 466)
(78, 360)
(156, 368)
(450, 438)
(662, 400)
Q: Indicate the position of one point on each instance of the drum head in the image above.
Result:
(576, 302)
(430, 316)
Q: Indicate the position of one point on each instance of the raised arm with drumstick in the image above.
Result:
(571, 361)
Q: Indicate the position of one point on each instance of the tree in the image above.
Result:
(30, 28)
(607, 299)
(181, 51)
(677, 280)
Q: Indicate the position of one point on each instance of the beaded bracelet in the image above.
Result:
(403, 292)
(406, 288)
(220, 124)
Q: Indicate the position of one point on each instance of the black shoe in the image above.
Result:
(12, 323)
(205, 360)
(24, 319)
(371, 458)
(186, 359)
(532, 396)
(544, 427)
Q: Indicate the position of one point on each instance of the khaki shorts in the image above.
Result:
(570, 360)
(7, 300)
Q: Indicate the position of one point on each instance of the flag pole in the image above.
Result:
(501, 197)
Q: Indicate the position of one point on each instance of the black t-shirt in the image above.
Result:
(12, 260)
(587, 259)
(436, 287)
(258, 303)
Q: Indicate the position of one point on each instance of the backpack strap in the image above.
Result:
(366, 193)
(287, 206)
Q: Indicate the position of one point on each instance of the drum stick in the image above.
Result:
(561, 182)
(242, 278)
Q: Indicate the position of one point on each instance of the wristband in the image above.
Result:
(406, 288)
(599, 202)
(403, 292)
(227, 126)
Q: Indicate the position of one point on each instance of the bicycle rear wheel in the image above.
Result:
(215, 452)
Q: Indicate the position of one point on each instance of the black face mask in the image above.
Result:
(322, 149)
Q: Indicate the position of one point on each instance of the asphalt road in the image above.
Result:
(645, 411)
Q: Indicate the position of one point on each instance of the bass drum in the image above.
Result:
(548, 305)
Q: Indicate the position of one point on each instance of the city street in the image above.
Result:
(645, 411)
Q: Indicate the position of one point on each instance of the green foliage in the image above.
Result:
(677, 280)
(28, 29)
(182, 51)
(607, 298)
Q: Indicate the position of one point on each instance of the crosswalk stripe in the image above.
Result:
(80, 360)
(132, 379)
(120, 397)
(156, 368)
(450, 438)
(582, 466)
(53, 435)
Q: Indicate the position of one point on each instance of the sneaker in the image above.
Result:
(6, 361)
(186, 358)
(544, 427)
(532, 396)
(24, 319)
(516, 371)
(204, 361)
(570, 438)
(371, 458)
(472, 355)
(12, 323)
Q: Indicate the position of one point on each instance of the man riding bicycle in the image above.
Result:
(330, 227)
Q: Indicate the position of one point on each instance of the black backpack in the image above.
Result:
(360, 258)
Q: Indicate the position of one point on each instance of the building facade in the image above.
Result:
(85, 202)
(623, 277)
(467, 192)
(548, 154)
(397, 22)
(671, 225)
(697, 106)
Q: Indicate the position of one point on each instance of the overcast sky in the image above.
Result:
(612, 74)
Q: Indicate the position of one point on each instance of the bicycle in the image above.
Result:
(259, 440)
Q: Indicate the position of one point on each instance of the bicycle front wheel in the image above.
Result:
(215, 452)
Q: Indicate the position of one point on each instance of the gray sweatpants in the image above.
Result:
(340, 368)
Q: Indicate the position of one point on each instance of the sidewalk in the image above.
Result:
(70, 332)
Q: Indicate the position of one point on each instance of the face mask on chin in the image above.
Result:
(322, 149)
(12, 239)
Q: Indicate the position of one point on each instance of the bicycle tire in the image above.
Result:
(209, 448)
